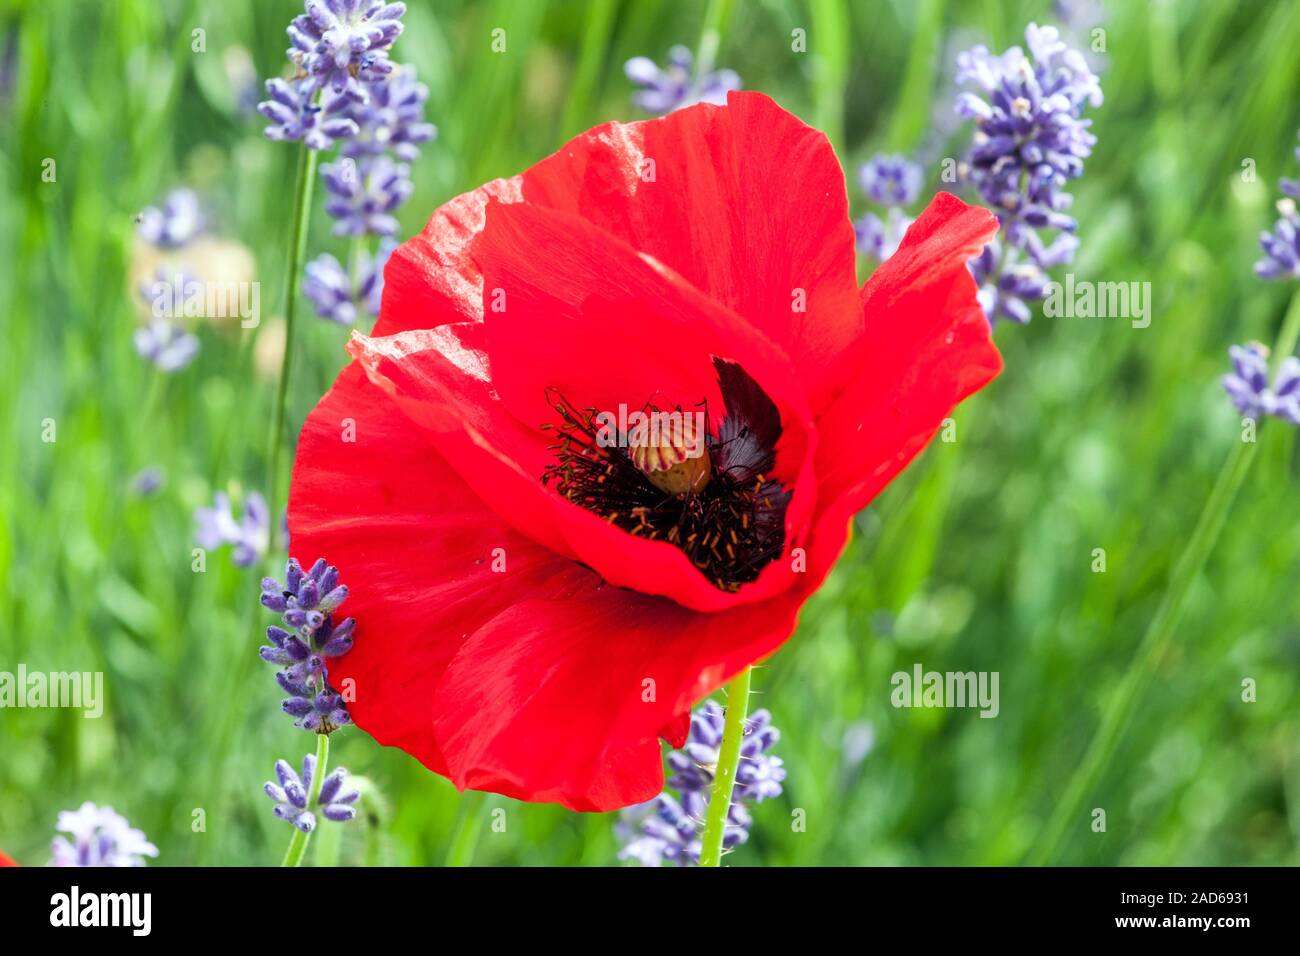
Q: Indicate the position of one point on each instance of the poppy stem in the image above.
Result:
(297, 250)
(1155, 641)
(298, 845)
(724, 774)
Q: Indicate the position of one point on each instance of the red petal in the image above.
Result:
(927, 346)
(416, 548)
(429, 279)
(747, 203)
(557, 330)
(548, 701)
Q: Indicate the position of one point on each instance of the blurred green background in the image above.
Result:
(1098, 435)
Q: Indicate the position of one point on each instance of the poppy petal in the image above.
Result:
(598, 679)
(427, 561)
(457, 380)
(429, 280)
(927, 347)
(746, 202)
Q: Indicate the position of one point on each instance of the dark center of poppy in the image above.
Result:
(669, 476)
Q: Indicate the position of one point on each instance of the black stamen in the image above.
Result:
(731, 528)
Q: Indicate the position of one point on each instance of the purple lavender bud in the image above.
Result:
(173, 224)
(364, 193)
(1248, 388)
(308, 593)
(678, 84)
(1282, 245)
(333, 783)
(337, 296)
(1030, 140)
(302, 654)
(890, 180)
(333, 599)
(1006, 285)
(667, 830)
(341, 43)
(273, 602)
(337, 646)
(274, 655)
(295, 114)
(98, 836)
(291, 684)
(291, 797)
(878, 238)
(167, 346)
(249, 536)
(330, 290)
(148, 480)
(292, 575)
(392, 118)
(297, 706)
(284, 772)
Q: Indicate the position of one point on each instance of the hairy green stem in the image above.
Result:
(1155, 641)
(297, 250)
(724, 774)
(298, 845)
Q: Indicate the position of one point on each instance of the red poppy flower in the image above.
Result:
(6, 860)
(535, 610)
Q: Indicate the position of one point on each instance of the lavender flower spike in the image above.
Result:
(679, 84)
(307, 602)
(667, 829)
(1282, 245)
(249, 536)
(1006, 283)
(880, 238)
(295, 115)
(98, 836)
(167, 346)
(890, 180)
(364, 193)
(171, 225)
(1030, 140)
(1247, 384)
(392, 119)
(336, 296)
(340, 43)
(291, 792)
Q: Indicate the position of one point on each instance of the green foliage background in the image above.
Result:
(1098, 435)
